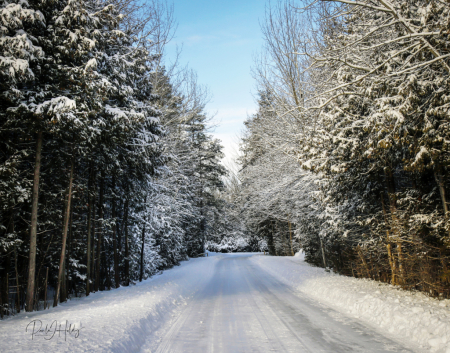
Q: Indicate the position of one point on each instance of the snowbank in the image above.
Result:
(121, 320)
(403, 315)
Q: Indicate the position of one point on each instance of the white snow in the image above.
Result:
(120, 320)
(15, 65)
(406, 315)
(118, 113)
(91, 64)
(54, 106)
(241, 302)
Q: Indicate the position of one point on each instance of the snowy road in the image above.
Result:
(244, 309)
(240, 303)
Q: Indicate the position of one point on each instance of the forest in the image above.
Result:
(109, 173)
(348, 155)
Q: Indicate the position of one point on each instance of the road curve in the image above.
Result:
(244, 309)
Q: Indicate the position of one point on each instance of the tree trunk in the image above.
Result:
(17, 282)
(440, 182)
(389, 246)
(69, 252)
(103, 271)
(5, 260)
(127, 260)
(366, 267)
(120, 233)
(392, 264)
(290, 238)
(46, 286)
(1, 297)
(64, 237)
(33, 229)
(270, 243)
(89, 236)
(108, 270)
(116, 257)
(323, 253)
(3, 294)
(4, 285)
(400, 263)
(99, 236)
(94, 220)
(141, 274)
(62, 292)
(390, 183)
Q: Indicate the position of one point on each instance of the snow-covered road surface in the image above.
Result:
(241, 303)
(242, 308)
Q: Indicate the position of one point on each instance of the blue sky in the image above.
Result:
(219, 41)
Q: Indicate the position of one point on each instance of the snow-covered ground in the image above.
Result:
(404, 315)
(240, 303)
(121, 320)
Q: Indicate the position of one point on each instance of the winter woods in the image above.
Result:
(108, 174)
(107, 171)
(348, 152)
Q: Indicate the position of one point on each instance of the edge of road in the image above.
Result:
(410, 318)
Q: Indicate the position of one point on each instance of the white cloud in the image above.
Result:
(230, 143)
(231, 120)
(233, 114)
(230, 125)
